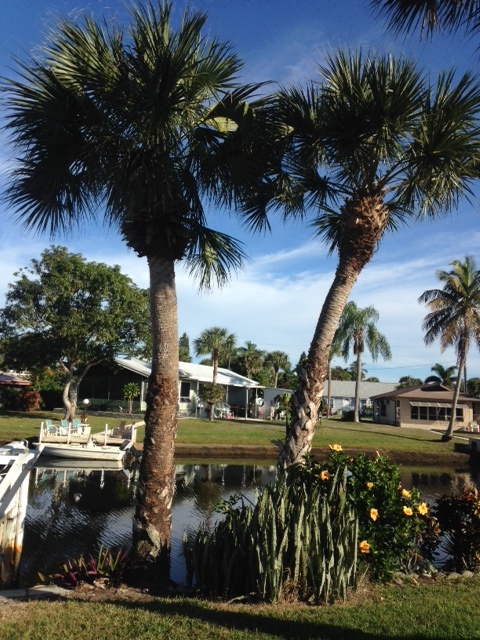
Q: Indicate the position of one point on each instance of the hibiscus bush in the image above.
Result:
(396, 531)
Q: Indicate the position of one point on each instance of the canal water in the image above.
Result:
(73, 511)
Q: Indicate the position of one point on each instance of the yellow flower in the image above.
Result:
(325, 475)
(369, 485)
(373, 514)
(407, 511)
(335, 447)
(406, 494)
(399, 486)
(364, 547)
(423, 509)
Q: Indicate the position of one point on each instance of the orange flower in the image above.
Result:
(335, 447)
(406, 494)
(373, 514)
(364, 547)
(407, 511)
(369, 485)
(423, 509)
(325, 475)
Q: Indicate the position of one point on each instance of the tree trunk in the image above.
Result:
(153, 514)
(448, 435)
(356, 406)
(362, 222)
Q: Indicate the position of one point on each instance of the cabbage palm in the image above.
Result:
(371, 145)
(277, 360)
(443, 375)
(214, 341)
(454, 317)
(357, 331)
(138, 126)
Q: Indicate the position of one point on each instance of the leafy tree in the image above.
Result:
(184, 349)
(277, 360)
(130, 392)
(357, 331)
(341, 373)
(212, 393)
(454, 317)
(408, 381)
(69, 313)
(370, 145)
(444, 375)
(150, 123)
(473, 387)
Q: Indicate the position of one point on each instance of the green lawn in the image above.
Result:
(445, 611)
(365, 435)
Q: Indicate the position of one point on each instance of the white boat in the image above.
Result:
(88, 451)
(10, 451)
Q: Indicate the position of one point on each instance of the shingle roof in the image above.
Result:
(346, 388)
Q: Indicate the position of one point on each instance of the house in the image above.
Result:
(427, 406)
(104, 387)
(342, 394)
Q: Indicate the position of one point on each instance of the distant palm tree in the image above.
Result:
(409, 381)
(251, 358)
(371, 144)
(277, 360)
(357, 331)
(454, 317)
(215, 341)
(143, 125)
(445, 376)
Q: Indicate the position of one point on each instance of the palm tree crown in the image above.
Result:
(443, 375)
(454, 316)
(215, 342)
(277, 360)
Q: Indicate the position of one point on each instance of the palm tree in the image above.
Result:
(251, 358)
(409, 381)
(371, 145)
(444, 375)
(357, 331)
(214, 341)
(277, 360)
(454, 317)
(442, 15)
(141, 125)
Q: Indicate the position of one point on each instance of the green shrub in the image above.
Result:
(25, 399)
(300, 538)
(459, 520)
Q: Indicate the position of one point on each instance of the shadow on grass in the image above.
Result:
(287, 628)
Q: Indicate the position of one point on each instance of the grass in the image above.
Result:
(445, 610)
(365, 435)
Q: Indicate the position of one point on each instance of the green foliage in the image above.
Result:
(130, 392)
(459, 520)
(299, 540)
(211, 392)
(108, 567)
(393, 521)
(21, 399)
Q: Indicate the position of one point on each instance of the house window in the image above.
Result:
(383, 408)
(414, 413)
(185, 391)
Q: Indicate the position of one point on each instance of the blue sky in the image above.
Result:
(276, 300)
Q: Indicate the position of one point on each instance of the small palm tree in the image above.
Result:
(443, 375)
(357, 331)
(131, 391)
(454, 318)
(251, 358)
(214, 341)
(277, 360)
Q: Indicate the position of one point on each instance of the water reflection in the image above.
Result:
(73, 511)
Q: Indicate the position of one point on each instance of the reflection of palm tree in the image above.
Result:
(454, 317)
(444, 375)
(146, 122)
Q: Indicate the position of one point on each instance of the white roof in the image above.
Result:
(186, 370)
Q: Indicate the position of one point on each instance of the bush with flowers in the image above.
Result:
(396, 530)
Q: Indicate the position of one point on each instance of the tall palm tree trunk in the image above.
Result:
(448, 435)
(356, 406)
(153, 515)
(363, 221)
